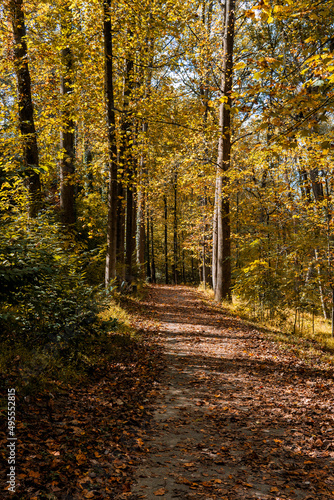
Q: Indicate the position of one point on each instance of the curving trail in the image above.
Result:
(236, 417)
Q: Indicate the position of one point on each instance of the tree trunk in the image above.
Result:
(175, 245)
(146, 56)
(140, 232)
(204, 91)
(148, 249)
(332, 312)
(127, 160)
(153, 260)
(129, 243)
(205, 263)
(166, 239)
(110, 272)
(223, 264)
(120, 239)
(25, 108)
(215, 239)
(67, 167)
(322, 299)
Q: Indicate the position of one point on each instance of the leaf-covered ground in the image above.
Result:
(231, 416)
(82, 442)
(237, 417)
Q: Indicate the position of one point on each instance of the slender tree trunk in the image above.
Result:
(166, 239)
(153, 259)
(67, 145)
(128, 161)
(120, 240)
(140, 232)
(147, 57)
(175, 245)
(321, 292)
(148, 248)
(129, 243)
(332, 315)
(237, 263)
(205, 263)
(223, 264)
(25, 108)
(87, 161)
(134, 225)
(215, 239)
(112, 147)
(207, 8)
(204, 266)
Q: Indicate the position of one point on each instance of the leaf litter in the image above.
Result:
(223, 414)
(238, 417)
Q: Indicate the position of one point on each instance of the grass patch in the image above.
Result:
(115, 314)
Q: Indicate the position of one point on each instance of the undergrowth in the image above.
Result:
(308, 335)
(55, 327)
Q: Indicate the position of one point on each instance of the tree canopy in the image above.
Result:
(171, 141)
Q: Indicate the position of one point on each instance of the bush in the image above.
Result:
(44, 297)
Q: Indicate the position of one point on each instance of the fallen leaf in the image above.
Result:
(183, 480)
(206, 484)
(81, 458)
(160, 492)
(88, 494)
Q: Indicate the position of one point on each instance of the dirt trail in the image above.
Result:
(236, 418)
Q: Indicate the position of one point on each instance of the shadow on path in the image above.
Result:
(235, 418)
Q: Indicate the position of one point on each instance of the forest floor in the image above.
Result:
(237, 416)
(200, 405)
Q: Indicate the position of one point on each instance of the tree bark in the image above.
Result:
(148, 249)
(129, 242)
(25, 108)
(205, 264)
(126, 158)
(140, 232)
(67, 146)
(110, 272)
(146, 56)
(166, 239)
(223, 264)
(152, 259)
(321, 292)
(204, 91)
(120, 239)
(215, 238)
(175, 242)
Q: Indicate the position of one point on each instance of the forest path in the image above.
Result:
(236, 417)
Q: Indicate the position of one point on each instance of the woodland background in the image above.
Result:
(177, 142)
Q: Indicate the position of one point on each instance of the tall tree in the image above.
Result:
(129, 160)
(166, 237)
(175, 228)
(223, 242)
(25, 107)
(67, 132)
(110, 270)
(140, 217)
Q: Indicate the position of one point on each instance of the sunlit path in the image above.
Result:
(236, 419)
